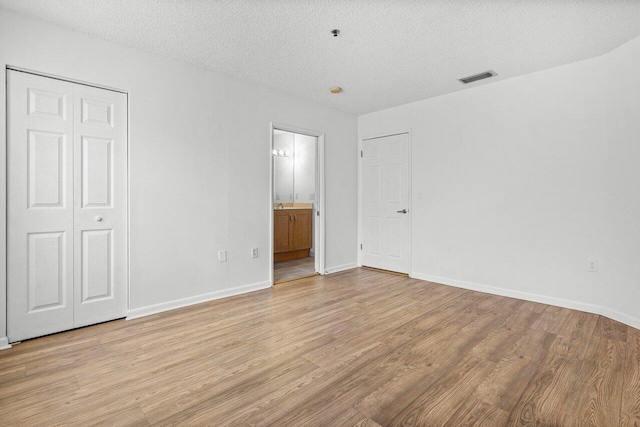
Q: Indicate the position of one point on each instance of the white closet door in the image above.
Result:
(100, 205)
(67, 193)
(385, 203)
(39, 206)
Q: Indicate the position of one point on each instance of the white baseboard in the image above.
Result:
(4, 343)
(337, 268)
(527, 296)
(634, 322)
(171, 305)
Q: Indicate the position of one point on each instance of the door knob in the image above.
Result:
(98, 218)
(402, 211)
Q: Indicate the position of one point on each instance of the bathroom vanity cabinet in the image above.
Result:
(292, 233)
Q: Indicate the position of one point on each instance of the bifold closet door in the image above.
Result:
(66, 205)
(100, 205)
(39, 206)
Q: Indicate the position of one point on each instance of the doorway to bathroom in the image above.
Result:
(297, 200)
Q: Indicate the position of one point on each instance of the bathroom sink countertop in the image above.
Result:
(282, 206)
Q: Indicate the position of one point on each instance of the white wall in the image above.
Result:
(525, 179)
(194, 136)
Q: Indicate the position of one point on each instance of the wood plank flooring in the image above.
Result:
(357, 348)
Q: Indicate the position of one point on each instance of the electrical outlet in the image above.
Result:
(222, 255)
(254, 252)
(592, 265)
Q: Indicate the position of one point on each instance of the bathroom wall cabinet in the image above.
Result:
(292, 233)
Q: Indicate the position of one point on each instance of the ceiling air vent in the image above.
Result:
(476, 77)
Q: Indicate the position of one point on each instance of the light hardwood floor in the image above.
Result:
(357, 348)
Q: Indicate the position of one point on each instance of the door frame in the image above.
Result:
(409, 183)
(319, 216)
(4, 344)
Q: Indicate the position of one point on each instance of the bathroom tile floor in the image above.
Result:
(287, 270)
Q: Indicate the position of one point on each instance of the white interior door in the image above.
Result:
(385, 203)
(66, 167)
(100, 205)
(39, 206)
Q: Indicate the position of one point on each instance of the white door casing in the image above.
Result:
(66, 166)
(385, 203)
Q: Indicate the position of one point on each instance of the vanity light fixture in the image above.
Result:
(281, 153)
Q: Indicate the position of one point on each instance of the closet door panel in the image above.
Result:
(100, 208)
(39, 205)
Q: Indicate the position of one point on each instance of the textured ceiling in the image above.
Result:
(388, 53)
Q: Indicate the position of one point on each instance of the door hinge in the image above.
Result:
(361, 153)
(360, 246)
